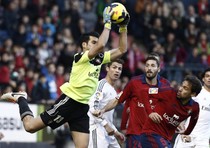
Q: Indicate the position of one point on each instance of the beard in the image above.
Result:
(151, 76)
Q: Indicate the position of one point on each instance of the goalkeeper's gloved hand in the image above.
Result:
(123, 25)
(107, 14)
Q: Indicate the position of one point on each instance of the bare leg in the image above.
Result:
(81, 140)
(32, 124)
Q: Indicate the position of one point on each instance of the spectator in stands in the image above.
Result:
(203, 44)
(89, 16)
(191, 16)
(59, 76)
(203, 7)
(194, 56)
(40, 91)
(33, 34)
(66, 55)
(10, 17)
(29, 80)
(20, 36)
(4, 70)
(179, 5)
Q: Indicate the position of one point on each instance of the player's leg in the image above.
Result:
(132, 141)
(80, 139)
(30, 123)
(79, 124)
(149, 140)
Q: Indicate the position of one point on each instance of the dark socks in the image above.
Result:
(24, 108)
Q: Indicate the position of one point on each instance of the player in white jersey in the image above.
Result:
(199, 137)
(103, 133)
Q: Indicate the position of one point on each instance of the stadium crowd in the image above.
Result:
(38, 40)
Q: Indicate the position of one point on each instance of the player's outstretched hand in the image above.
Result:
(119, 136)
(126, 21)
(186, 138)
(155, 117)
(107, 14)
(98, 113)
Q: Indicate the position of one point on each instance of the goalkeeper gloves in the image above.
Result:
(107, 14)
(123, 25)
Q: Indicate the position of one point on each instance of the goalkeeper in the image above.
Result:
(72, 105)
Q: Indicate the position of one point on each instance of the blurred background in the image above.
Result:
(38, 39)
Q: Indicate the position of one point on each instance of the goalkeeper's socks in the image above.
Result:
(24, 108)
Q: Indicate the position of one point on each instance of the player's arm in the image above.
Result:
(193, 120)
(109, 106)
(121, 97)
(103, 39)
(112, 130)
(125, 116)
(118, 52)
(181, 127)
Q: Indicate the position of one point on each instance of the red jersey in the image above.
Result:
(133, 92)
(173, 113)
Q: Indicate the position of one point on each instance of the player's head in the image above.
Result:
(114, 69)
(88, 40)
(190, 87)
(206, 78)
(152, 66)
(155, 55)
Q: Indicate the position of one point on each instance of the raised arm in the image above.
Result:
(193, 120)
(118, 52)
(103, 39)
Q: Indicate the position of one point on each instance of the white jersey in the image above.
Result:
(104, 93)
(202, 128)
(201, 132)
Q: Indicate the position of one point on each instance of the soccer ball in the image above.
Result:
(119, 14)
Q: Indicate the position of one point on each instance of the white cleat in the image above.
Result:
(13, 96)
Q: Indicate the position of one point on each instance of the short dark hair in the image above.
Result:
(195, 82)
(205, 71)
(154, 54)
(117, 60)
(153, 58)
(86, 37)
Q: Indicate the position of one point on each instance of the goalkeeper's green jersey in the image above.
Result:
(84, 76)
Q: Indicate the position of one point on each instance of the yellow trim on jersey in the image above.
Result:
(83, 78)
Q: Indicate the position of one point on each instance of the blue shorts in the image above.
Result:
(133, 141)
(151, 140)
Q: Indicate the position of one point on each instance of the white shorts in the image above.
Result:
(99, 139)
(195, 143)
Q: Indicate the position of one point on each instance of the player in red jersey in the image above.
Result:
(150, 82)
(171, 109)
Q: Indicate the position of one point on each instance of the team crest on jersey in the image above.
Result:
(98, 59)
(153, 90)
